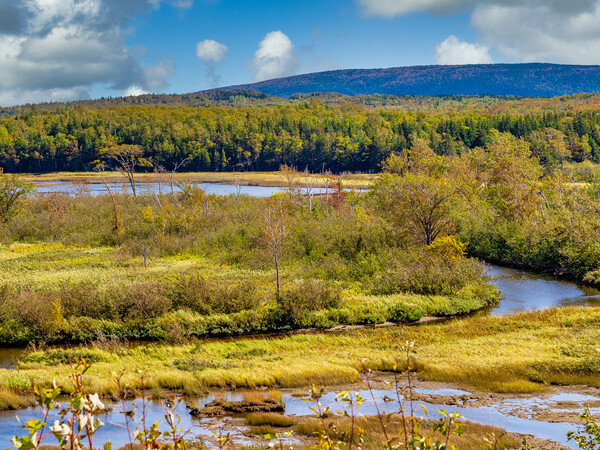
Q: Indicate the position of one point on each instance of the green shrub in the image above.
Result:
(427, 274)
(401, 313)
(310, 295)
(197, 293)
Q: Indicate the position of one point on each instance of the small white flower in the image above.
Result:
(83, 419)
(96, 403)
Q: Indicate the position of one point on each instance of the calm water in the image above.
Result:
(496, 415)
(527, 291)
(210, 188)
(8, 357)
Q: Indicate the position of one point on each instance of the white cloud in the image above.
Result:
(541, 33)
(59, 49)
(21, 97)
(134, 90)
(454, 51)
(391, 8)
(275, 57)
(211, 51)
(560, 31)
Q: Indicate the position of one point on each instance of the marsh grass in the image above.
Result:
(262, 430)
(271, 419)
(78, 294)
(261, 396)
(372, 435)
(248, 178)
(11, 400)
(194, 265)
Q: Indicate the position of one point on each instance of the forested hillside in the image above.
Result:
(344, 137)
(531, 80)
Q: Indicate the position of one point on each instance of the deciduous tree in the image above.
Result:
(13, 194)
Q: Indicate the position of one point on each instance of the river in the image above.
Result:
(529, 291)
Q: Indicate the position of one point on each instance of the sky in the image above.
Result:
(62, 50)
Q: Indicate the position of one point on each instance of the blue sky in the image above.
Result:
(72, 49)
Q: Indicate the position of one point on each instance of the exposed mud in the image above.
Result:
(221, 408)
(538, 443)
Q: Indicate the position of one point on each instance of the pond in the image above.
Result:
(152, 188)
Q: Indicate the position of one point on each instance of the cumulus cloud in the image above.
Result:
(134, 90)
(558, 31)
(391, 8)
(275, 57)
(58, 49)
(212, 53)
(21, 97)
(541, 32)
(454, 51)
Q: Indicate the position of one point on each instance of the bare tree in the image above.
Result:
(326, 177)
(127, 158)
(237, 182)
(274, 232)
(309, 188)
(176, 166)
(116, 218)
(291, 180)
(159, 177)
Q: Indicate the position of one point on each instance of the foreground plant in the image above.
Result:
(411, 436)
(589, 437)
(78, 419)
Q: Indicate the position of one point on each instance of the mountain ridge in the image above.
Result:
(523, 79)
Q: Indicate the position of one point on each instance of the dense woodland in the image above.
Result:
(342, 136)
(529, 79)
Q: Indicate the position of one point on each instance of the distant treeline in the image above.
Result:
(346, 137)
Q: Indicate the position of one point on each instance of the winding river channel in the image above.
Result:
(521, 291)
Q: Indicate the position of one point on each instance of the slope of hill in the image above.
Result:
(229, 98)
(527, 80)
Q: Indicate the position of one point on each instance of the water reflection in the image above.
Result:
(8, 356)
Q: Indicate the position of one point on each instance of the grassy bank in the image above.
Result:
(522, 353)
(57, 293)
